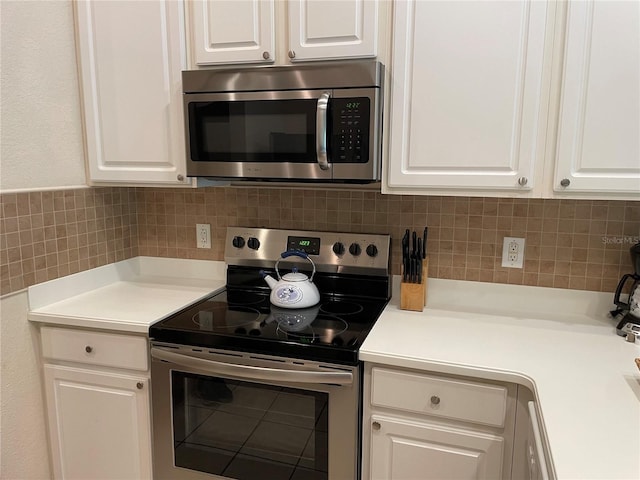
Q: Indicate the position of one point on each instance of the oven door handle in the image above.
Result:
(250, 372)
(321, 130)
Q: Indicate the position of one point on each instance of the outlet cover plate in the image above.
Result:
(513, 252)
(203, 235)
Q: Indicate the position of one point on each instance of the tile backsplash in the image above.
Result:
(46, 235)
(577, 244)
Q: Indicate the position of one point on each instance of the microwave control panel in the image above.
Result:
(350, 139)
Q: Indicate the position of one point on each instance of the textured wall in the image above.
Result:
(24, 454)
(41, 132)
(569, 244)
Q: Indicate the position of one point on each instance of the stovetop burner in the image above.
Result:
(354, 284)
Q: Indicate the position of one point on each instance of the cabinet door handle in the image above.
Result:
(180, 178)
(376, 425)
(565, 182)
(88, 349)
(435, 400)
(522, 181)
(265, 55)
(292, 54)
(140, 385)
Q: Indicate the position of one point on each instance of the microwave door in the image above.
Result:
(257, 135)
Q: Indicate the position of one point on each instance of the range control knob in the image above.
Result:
(237, 242)
(372, 250)
(338, 248)
(355, 249)
(253, 243)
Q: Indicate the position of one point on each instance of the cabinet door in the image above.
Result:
(323, 30)
(598, 143)
(468, 92)
(131, 56)
(99, 424)
(404, 450)
(232, 31)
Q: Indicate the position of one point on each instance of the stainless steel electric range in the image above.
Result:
(248, 390)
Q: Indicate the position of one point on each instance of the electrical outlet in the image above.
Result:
(203, 235)
(513, 252)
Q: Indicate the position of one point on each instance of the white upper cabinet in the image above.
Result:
(519, 98)
(131, 55)
(232, 31)
(469, 84)
(321, 30)
(598, 147)
(267, 31)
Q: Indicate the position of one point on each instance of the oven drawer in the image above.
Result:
(449, 398)
(95, 348)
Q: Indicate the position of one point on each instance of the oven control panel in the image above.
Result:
(330, 251)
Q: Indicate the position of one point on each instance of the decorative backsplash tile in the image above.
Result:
(575, 244)
(569, 243)
(50, 234)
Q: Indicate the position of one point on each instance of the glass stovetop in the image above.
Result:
(241, 320)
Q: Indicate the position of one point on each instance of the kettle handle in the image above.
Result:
(296, 253)
(623, 280)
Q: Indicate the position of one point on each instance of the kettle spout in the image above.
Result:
(269, 279)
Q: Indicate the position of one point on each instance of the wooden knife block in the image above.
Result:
(413, 296)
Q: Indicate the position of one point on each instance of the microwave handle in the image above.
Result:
(321, 130)
(250, 372)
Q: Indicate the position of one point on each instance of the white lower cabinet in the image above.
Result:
(406, 450)
(98, 404)
(430, 426)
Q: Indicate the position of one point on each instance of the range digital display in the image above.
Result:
(309, 245)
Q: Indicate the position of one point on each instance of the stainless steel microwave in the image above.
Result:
(309, 123)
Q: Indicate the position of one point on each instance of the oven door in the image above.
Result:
(223, 414)
(304, 135)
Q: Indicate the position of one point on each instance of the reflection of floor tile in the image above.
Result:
(203, 459)
(249, 401)
(293, 409)
(282, 443)
(186, 420)
(315, 453)
(244, 467)
(224, 430)
(304, 474)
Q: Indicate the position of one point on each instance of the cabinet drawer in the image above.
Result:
(106, 349)
(449, 398)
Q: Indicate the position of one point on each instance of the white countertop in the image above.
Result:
(559, 343)
(126, 296)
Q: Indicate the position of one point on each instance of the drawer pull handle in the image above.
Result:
(140, 385)
(88, 349)
(376, 425)
(435, 400)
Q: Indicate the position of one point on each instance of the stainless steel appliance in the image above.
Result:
(244, 389)
(629, 324)
(302, 123)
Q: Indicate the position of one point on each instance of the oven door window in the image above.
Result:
(253, 131)
(248, 431)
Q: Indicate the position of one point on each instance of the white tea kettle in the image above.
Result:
(295, 289)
